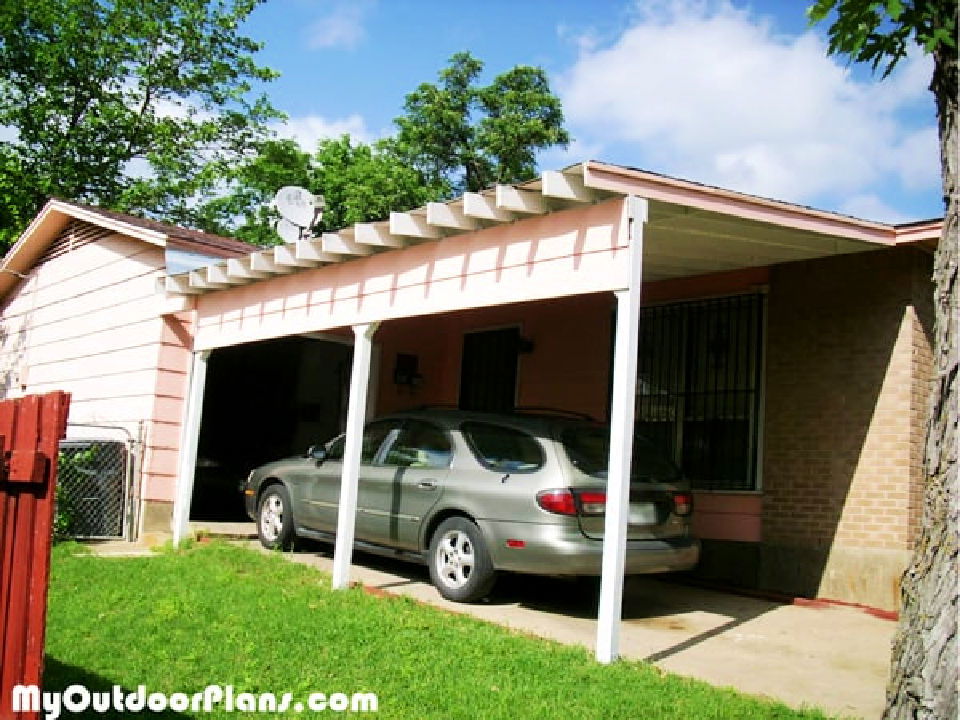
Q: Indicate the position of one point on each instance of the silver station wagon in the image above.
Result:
(472, 494)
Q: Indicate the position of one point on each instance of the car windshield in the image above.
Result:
(588, 449)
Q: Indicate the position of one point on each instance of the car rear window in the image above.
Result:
(503, 449)
(588, 449)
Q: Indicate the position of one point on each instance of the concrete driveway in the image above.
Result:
(835, 658)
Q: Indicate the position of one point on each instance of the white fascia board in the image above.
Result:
(311, 249)
(263, 262)
(376, 234)
(198, 279)
(241, 268)
(449, 216)
(517, 200)
(342, 243)
(219, 274)
(180, 285)
(285, 256)
(481, 207)
(415, 226)
(566, 187)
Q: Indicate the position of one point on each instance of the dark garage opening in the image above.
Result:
(264, 401)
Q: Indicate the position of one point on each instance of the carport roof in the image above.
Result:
(692, 228)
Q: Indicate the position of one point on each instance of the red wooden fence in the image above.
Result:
(30, 433)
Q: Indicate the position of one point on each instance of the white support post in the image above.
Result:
(189, 434)
(356, 412)
(621, 441)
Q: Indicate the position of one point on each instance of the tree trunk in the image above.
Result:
(923, 672)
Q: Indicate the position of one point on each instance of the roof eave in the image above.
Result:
(42, 230)
(614, 178)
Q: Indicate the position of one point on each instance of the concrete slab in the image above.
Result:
(118, 548)
(835, 658)
(227, 530)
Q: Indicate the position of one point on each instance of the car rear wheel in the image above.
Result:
(460, 566)
(275, 519)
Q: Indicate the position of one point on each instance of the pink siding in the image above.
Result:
(173, 363)
(88, 322)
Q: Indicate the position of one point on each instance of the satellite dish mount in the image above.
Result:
(299, 211)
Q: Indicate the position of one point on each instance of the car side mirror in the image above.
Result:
(318, 453)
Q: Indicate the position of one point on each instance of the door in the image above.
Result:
(488, 371)
(406, 483)
(402, 468)
(322, 487)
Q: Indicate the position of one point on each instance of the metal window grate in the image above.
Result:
(93, 487)
(698, 387)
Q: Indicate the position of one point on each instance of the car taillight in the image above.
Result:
(682, 503)
(567, 502)
(560, 502)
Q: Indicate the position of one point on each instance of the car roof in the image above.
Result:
(538, 422)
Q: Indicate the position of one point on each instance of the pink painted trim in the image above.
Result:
(920, 232)
(820, 603)
(749, 207)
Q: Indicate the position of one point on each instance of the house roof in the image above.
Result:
(185, 238)
(696, 228)
(57, 214)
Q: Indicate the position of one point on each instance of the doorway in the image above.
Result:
(488, 370)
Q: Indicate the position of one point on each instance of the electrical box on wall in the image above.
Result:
(406, 370)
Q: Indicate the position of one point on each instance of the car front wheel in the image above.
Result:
(275, 519)
(460, 566)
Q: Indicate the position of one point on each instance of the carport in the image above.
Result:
(593, 228)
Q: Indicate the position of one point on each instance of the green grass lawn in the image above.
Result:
(220, 614)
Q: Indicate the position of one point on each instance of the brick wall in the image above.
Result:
(847, 367)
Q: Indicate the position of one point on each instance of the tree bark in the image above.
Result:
(923, 672)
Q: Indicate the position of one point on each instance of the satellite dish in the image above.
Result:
(287, 231)
(298, 206)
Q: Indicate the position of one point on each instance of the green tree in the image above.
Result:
(359, 182)
(468, 136)
(241, 207)
(923, 670)
(454, 137)
(128, 104)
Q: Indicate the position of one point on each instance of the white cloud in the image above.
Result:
(870, 207)
(916, 158)
(712, 93)
(343, 27)
(309, 129)
(577, 151)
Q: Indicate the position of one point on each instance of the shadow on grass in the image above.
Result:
(57, 676)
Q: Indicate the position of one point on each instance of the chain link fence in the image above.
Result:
(94, 486)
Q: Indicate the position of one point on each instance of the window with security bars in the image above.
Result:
(698, 387)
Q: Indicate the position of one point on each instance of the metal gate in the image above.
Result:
(699, 380)
(95, 497)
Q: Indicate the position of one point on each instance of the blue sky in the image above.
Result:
(734, 94)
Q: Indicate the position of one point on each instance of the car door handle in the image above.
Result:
(427, 485)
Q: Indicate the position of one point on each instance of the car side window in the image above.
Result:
(503, 449)
(420, 445)
(374, 436)
(335, 448)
